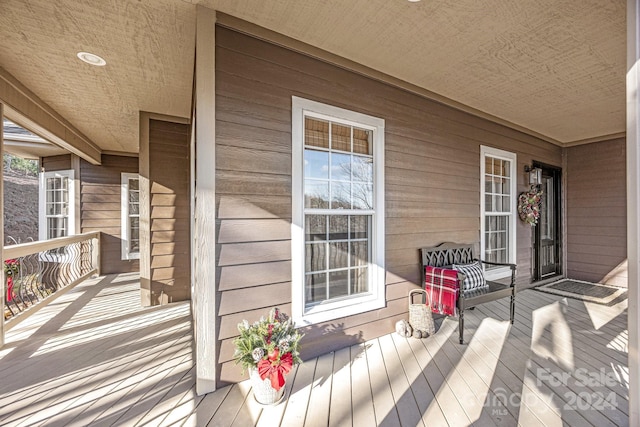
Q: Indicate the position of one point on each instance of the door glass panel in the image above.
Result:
(548, 208)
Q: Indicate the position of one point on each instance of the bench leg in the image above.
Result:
(513, 308)
(461, 325)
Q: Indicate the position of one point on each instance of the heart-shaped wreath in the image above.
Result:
(529, 205)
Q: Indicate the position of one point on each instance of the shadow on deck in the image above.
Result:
(95, 357)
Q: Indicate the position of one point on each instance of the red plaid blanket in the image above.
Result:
(442, 289)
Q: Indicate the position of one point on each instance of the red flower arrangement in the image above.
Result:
(270, 345)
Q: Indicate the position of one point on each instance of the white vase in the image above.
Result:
(262, 390)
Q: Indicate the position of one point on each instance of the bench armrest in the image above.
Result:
(504, 264)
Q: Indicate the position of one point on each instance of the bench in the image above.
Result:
(447, 254)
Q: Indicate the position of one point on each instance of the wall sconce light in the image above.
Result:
(535, 175)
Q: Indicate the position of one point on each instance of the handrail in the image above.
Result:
(24, 249)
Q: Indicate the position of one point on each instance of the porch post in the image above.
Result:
(633, 205)
(2, 285)
(204, 204)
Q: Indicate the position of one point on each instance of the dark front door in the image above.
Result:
(548, 245)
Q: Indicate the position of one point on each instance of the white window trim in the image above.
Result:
(503, 272)
(124, 216)
(376, 298)
(42, 198)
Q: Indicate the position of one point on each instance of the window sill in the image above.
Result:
(323, 313)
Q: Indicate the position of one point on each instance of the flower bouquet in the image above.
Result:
(269, 349)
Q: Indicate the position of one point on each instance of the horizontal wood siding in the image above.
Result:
(56, 163)
(100, 209)
(169, 186)
(432, 167)
(597, 212)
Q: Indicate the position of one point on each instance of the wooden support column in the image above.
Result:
(633, 205)
(165, 220)
(204, 204)
(3, 291)
(75, 165)
(145, 212)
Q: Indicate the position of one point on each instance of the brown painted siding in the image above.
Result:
(597, 212)
(169, 185)
(100, 210)
(56, 163)
(432, 167)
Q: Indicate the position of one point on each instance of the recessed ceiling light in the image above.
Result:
(414, 1)
(92, 59)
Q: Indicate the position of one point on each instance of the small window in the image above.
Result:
(338, 210)
(130, 230)
(498, 215)
(56, 211)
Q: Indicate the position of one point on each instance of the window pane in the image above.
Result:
(338, 283)
(340, 195)
(134, 209)
(315, 227)
(359, 280)
(56, 227)
(315, 287)
(340, 137)
(488, 203)
(362, 141)
(506, 186)
(496, 239)
(359, 254)
(134, 184)
(315, 257)
(316, 194)
(338, 227)
(316, 132)
(53, 183)
(506, 204)
(362, 169)
(338, 255)
(316, 164)
(362, 196)
(340, 167)
(134, 235)
(360, 226)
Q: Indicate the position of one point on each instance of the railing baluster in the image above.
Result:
(39, 269)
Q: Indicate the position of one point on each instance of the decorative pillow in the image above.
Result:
(474, 276)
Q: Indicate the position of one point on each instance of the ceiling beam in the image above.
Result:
(27, 110)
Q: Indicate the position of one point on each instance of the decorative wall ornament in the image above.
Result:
(529, 205)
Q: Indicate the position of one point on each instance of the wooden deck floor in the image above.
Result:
(94, 357)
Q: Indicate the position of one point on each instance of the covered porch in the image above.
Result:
(200, 110)
(95, 357)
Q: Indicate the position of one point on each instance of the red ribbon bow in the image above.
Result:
(275, 368)
(9, 288)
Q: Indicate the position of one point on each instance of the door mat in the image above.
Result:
(585, 291)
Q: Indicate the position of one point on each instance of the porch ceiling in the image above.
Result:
(553, 67)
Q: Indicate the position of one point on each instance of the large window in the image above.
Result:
(56, 204)
(338, 212)
(498, 199)
(130, 229)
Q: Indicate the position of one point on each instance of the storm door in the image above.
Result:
(548, 231)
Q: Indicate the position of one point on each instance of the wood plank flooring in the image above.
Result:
(95, 357)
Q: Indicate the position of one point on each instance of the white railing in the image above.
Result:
(34, 271)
